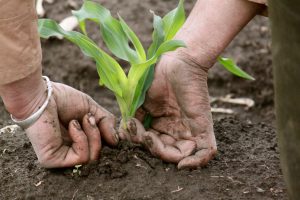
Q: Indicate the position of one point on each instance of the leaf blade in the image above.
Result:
(111, 30)
(136, 72)
(112, 75)
(134, 39)
(174, 20)
(229, 64)
(164, 30)
(158, 35)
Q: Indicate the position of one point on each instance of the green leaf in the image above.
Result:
(174, 20)
(164, 30)
(146, 80)
(118, 37)
(147, 121)
(170, 45)
(142, 88)
(158, 35)
(134, 39)
(112, 75)
(111, 30)
(136, 72)
(229, 64)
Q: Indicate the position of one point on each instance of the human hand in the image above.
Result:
(182, 127)
(59, 140)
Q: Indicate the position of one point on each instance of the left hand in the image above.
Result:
(69, 131)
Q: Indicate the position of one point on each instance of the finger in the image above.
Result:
(166, 152)
(166, 139)
(123, 133)
(93, 135)
(79, 152)
(108, 131)
(133, 132)
(163, 146)
(199, 159)
(186, 147)
(105, 121)
(136, 130)
(65, 135)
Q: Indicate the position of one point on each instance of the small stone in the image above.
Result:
(246, 191)
(72, 4)
(263, 29)
(260, 190)
(88, 197)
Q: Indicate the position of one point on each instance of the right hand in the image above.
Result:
(182, 127)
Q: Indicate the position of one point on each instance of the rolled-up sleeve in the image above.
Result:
(260, 1)
(20, 49)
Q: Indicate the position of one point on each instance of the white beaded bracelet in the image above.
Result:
(26, 123)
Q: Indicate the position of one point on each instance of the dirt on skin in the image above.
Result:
(247, 164)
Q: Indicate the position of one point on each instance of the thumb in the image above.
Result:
(134, 131)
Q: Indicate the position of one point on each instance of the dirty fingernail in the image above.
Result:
(148, 141)
(77, 125)
(131, 127)
(92, 120)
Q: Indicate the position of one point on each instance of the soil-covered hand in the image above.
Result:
(70, 129)
(182, 126)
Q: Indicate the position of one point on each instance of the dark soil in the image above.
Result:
(247, 164)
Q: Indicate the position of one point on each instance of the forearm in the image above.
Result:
(21, 84)
(212, 25)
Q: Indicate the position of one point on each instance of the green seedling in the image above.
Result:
(76, 170)
(129, 89)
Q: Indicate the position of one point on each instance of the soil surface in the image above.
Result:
(246, 167)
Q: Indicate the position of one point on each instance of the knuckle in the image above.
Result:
(213, 151)
(110, 116)
(83, 156)
(83, 138)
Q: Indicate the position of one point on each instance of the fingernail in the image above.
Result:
(92, 120)
(148, 141)
(77, 125)
(131, 127)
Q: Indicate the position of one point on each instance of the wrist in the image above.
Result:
(211, 26)
(23, 97)
(199, 57)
